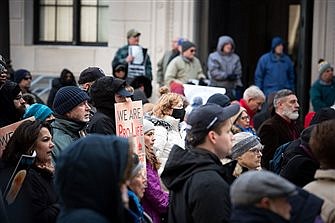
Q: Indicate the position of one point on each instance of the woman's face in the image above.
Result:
(149, 139)
(252, 158)
(44, 146)
(138, 184)
(243, 120)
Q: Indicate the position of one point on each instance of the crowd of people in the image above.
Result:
(242, 156)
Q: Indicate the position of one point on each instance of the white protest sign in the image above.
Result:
(192, 91)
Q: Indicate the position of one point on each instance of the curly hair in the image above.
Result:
(165, 103)
(322, 143)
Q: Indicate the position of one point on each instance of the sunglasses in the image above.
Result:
(27, 78)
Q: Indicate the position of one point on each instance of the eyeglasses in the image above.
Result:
(245, 117)
(257, 149)
(27, 78)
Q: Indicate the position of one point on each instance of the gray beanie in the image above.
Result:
(67, 98)
(147, 126)
(242, 142)
(186, 45)
(252, 186)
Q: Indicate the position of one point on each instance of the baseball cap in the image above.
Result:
(252, 186)
(133, 33)
(90, 74)
(220, 99)
(205, 117)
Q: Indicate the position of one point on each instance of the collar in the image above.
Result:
(328, 174)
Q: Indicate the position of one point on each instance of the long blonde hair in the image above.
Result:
(165, 103)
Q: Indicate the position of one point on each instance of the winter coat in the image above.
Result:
(163, 63)
(65, 132)
(166, 135)
(253, 214)
(198, 190)
(183, 69)
(275, 132)
(8, 112)
(299, 164)
(322, 94)
(88, 176)
(102, 124)
(274, 72)
(121, 55)
(224, 70)
(155, 201)
(324, 187)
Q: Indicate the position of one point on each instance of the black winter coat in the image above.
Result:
(198, 190)
(254, 214)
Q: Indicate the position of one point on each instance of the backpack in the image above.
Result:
(275, 165)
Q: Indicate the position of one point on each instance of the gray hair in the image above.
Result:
(280, 95)
(253, 92)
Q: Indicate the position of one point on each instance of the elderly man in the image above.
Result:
(282, 126)
(134, 56)
(252, 101)
(72, 113)
(261, 196)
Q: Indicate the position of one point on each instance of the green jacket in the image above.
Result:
(64, 133)
(121, 55)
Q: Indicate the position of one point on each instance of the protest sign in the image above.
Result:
(192, 91)
(7, 132)
(129, 123)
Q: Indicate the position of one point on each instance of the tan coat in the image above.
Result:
(324, 187)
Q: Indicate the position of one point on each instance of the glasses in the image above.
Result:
(27, 78)
(257, 149)
(245, 118)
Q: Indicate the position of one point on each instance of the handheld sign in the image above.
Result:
(129, 123)
(16, 180)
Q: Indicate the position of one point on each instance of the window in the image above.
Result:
(71, 22)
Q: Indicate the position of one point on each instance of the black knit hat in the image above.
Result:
(186, 45)
(219, 99)
(67, 98)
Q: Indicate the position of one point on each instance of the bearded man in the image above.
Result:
(282, 127)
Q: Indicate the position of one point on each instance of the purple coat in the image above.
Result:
(155, 201)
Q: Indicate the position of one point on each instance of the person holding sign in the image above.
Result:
(31, 198)
(134, 56)
(105, 92)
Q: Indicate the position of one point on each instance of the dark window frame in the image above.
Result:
(75, 24)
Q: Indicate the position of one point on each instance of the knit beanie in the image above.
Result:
(40, 111)
(235, 117)
(323, 66)
(67, 98)
(242, 142)
(20, 74)
(147, 126)
(186, 45)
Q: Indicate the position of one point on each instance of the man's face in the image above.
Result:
(25, 82)
(20, 104)
(3, 75)
(279, 49)
(223, 142)
(281, 206)
(174, 44)
(80, 113)
(290, 107)
(189, 53)
(327, 76)
(134, 40)
(255, 104)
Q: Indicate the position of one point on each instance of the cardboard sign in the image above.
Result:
(129, 123)
(192, 91)
(7, 132)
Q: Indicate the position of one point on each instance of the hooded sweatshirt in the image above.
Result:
(88, 175)
(224, 70)
(8, 112)
(195, 179)
(274, 72)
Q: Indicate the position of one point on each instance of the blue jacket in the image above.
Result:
(274, 72)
